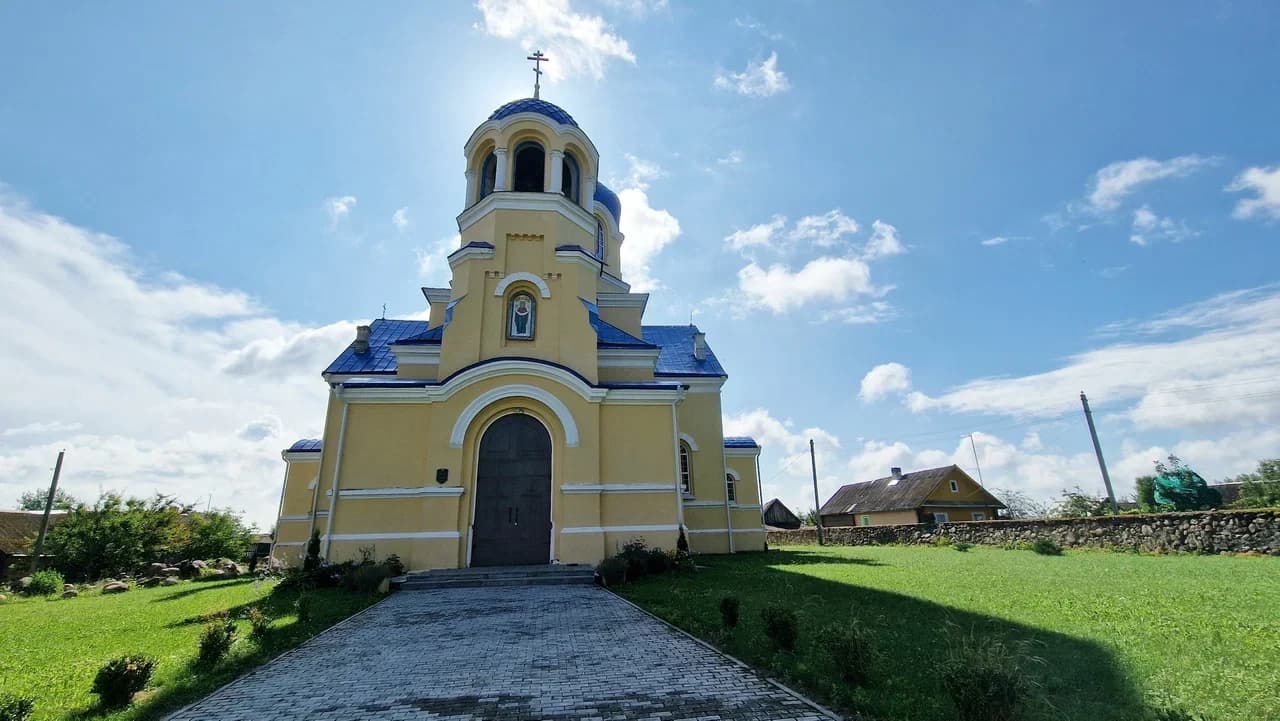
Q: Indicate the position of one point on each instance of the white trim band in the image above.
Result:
(488, 398)
(510, 278)
(400, 492)
(392, 536)
(618, 529)
(725, 530)
(616, 488)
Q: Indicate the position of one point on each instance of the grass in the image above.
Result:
(1120, 634)
(50, 649)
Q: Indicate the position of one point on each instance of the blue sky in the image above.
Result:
(994, 206)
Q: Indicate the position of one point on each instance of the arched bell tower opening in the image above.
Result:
(531, 167)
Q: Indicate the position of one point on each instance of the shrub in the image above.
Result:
(850, 649)
(1175, 714)
(942, 541)
(312, 560)
(637, 558)
(961, 546)
(15, 708)
(45, 583)
(658, 561)
(364, 579)
(1046, 547)
(781, 626)
(303, 607)
(681, 562)
(216, 641)
(259, 624)
(729, 611)
(394, 565)
(986, 680)
(613, 571)
(682, 542)
(120, 678)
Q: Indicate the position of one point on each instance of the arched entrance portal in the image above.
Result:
(512, 524)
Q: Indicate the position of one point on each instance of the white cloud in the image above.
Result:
(760, 79)
(338, 208)
(735, 157)
(187, 387)
(762, 234)
(400, 218)
(884, 242)
(648, 230)
(639, 8)
(1149, 227)
(862, 314)
(1113, 183)
(884, 380)
(749, 23)
(1265, 182)
(1217, 369)
(825, 230)
(995, 240)
(781, 289)
(433, 262)
(577, 44)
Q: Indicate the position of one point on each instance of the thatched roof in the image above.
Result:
(18, 530)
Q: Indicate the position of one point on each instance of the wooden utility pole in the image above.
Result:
(48, 507)
(817, 505)
(1097, 449)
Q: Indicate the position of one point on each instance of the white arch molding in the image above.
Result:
(688, 439)
(506, 282)
(488, 398)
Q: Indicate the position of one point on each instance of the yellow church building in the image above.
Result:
(533, 418)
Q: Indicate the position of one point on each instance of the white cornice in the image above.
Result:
(400, 492)
(390, 536)
(581, 257)
(628, 357)
(612, 282)
(747, 452)
(569, 131)
(688, 439)
(512, 200)
(543, 289)
(572, 488)
(300, 456)
(467, 252)
(643, 396)
(622, 300)
(618, 529)
(437, 295)
(698, 384)
(416, 354)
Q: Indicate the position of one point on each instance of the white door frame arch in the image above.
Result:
(488, 398)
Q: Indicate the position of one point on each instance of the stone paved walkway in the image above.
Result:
(565, 653)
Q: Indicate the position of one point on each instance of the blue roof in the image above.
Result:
(534, 105)
(676, 358)
(674, 343)
(740, 442)
(378, 359)
(305, 445)
(609, 199)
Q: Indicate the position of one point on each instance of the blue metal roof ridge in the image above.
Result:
(534, 105)
(676, 356)
(305, 445)
(740, 442)
(609, 335)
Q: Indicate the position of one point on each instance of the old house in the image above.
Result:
(944, 494)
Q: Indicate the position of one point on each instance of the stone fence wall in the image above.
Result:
(1194, 532)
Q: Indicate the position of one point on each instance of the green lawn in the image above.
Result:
(51, 649)
(1120, 633)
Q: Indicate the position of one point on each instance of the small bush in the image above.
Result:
(681, 562)
(1175, 714)
(259, 624)
(961, 546)
(729, 611)
(1046, 547)
(613, 571)
(303, 607)
(216, 641)
(849, 646)
(45, 583)
(682, 542)
(658, 561)
(942, 541)
(120, 678)
(365, 579)
(15, 708)
(636, 556)
(986, 680)
(394, 565)
(781, 626)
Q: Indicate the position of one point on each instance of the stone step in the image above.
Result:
(500, 576)
(430, 585)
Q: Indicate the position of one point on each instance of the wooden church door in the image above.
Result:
(513, 494)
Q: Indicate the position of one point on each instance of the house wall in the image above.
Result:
(884, 518)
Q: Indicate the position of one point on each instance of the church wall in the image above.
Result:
(628, 319)
(294, 524)
(641, 444)
(699, 417)
(625, 375)
(385, 446)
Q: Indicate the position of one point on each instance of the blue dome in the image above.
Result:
(534, 105)
(609, 199)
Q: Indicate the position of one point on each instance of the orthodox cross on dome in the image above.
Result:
(538, 58)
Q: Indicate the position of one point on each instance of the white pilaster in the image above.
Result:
(556, 178)
(473, 191)
(500, 183)
(588, 192)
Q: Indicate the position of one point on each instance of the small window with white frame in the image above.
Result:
(521, 312)
(979, 516)
(941, 517)
(955, 486)
(730, 488)
(686, 474)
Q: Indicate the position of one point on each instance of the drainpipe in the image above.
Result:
(675, 449)
(760, 500)
(728, 517)
(279, 510)
(333, 488)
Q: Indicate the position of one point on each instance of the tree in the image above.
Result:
(1078, 504)
(809, 517)
(312, 560)
(1146, 492)
(1020, 505)
(1260, 489)
(35, 500)
(218, 534)
(1182, 489)
(116, 535)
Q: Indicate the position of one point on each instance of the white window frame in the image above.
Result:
(730, 489)
(941, 517)
(979, 515)
(955, 486)
(686, 470)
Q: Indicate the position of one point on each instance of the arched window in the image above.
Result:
(488, 175)
(569, 178)
(730, 488)
(521, 314)
(600, 246)
(686, 472)
(530, 168)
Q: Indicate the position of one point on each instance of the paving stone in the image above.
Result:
(518, 653)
